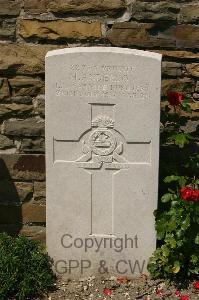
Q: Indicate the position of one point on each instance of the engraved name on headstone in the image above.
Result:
(102, 142)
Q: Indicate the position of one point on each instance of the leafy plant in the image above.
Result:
(25, 270)
(177, 219)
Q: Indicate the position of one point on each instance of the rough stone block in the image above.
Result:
(21, 100)
(5, 142)
(36, 145)
(14, 110)
(189, 13)
(9, 7)
(26, 86)
(26, 213)
(37, 233)
(39, 105)
(193, 69)
(33, 213)
(39, 191)
(59, 29)
(184, 85)
(7, 29)
(22, 167)
(4, 89)
(153, 35)
(27, 127)
(172, 69)
(179, 54)
(23, 59)
(107, 7)
(33, 232)
(155, 11)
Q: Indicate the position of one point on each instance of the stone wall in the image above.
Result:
(30, 28)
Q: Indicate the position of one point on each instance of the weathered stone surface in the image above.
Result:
(9, 7)
(17, 192)
(193, 69)
(39, 191)
(5, 142)
(4, 88)
(186, 36)
(172, 69)
(33, 213)
(22, 167)
(28, 127)
(152, 35)
(21, 100)
(14, 110)
(59, 29)
(23, 59)
(33, 232)
(137, 34)
(195, 106)
(39, 105)
(178, 54)
(26, 86)
(33, 145)
(197, 86)
(164, 10)
(24, 190)
(108, 7)
(185, 85)
(32, 7)
(189, 13)
(192, 127)
(26, 213)
(196, 96)
(37, 233)
(7, 29)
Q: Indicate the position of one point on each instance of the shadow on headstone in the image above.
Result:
(10, 204)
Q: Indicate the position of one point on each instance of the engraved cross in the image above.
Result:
(102, 158)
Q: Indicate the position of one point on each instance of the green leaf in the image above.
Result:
(165, 250)
(185, 223)
(185, 106)
(166, 197)
(197, 240)
(176, 267)
(180, 139)
(184, 103)
(194, 259)
(182, 181)
(171, 178)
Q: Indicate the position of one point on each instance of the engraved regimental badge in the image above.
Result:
(103, 147)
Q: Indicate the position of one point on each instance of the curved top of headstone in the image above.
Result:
(105, 50)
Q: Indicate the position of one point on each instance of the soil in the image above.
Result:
(121, 288)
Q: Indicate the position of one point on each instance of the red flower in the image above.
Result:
(189, 194)
(196, 285)
(108, 292)
(185, 193)
(195, 195)
(159, 292)
(121, 279)
(174, 98)
(178, 293)
(184, 297)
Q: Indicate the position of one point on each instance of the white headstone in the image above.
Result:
(102, 144)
